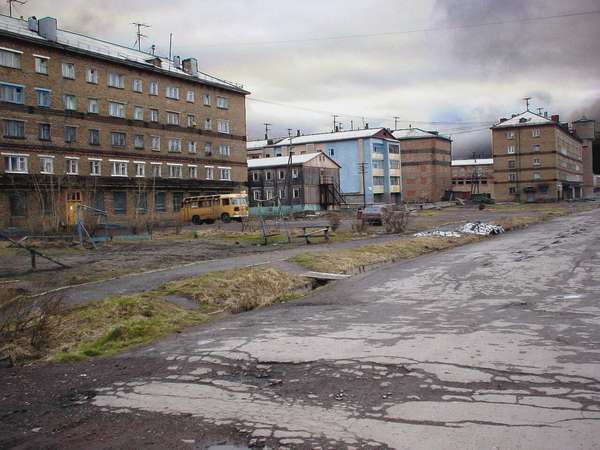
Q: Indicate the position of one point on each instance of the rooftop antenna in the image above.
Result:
(351, 124)
(170, 47)
(267, 128)
(540, 111)
(527, 102)
(138, 34)
(10, 5)
(396, 119)
(153, 49)
(335, 116)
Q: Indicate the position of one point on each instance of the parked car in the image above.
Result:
(372, 215)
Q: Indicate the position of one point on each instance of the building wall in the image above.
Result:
(57, 117)
(426, 169)
(549, 164)
(463, 176)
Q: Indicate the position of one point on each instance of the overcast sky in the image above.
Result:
(454, 72)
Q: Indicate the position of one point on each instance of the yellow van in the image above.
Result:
(208, 208)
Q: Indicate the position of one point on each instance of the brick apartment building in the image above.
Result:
(426, 171)
(84, 120)
(536, 158)
(473, 176)
(586, 130)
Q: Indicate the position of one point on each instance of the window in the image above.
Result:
(223, 126)
(281, 174)
(512, 190)
(137, 86)
(282, 194)
(174, 145)
(331, 152)
(138, 113)
(117, 139)
(97, 199)
(510, 149)
(295, 193)
(154, 115)
(43, 97)
(70, 135)
(209, 172)
(140, 169)
(141, 202)
(120, 202)
(172, 92)
(190, 96)
(193, 171)
(537, 176)
(225, 173)
(70, 102)
(536, 147)
(94, 136)
(72, 166)
(172, 118)
(116, 80)
(268, 175)
(537, 162)
(510, 135)
(294, 172)
(156, 169)
(511, 164)
(10, 58)
(138, 141)
(17, 202)
(95, 167)
(255, 176)
(224, 150)
(191, 122)
(207, 124)
(15, 163)
(155, 145)
(93, 106)
(46, 164)
(208, 149)
(268, 194)
(41, 64)
(44, 132)
(395, 181)
(91, 75)
(256, 194)
(394, 164)
(12, 93)
(118, 168)
(191, 147)
(222, 103)
(512, 176)
(116, 109)
(175, 170)
(68, 71)
(535, 132)
(14, 129)
(177, 200)
(160, 203)
(206, 99)
(378, 181)
(153, 88)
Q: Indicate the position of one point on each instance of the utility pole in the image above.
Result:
(396, 120)
(527, 103)
(139, 34)
(362, 169)
(10, 4)
(335, 116)
(267, 128)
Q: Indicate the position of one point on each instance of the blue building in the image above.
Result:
(373, 151)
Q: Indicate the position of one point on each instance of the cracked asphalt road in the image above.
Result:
(492, 345)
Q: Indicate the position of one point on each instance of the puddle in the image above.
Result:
(571, 296)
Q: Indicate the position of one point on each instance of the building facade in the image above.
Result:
(586, 130)
(113, 128)
(473, 176)
(310, 183)
(426, 170)
(369, 160)
(536, 159)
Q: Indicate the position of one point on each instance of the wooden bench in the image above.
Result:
(315, 231)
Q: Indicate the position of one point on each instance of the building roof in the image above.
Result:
(525, 119)
(472, 162)
(337, 136)
(262, 143)
(278, 161)
(416, 133)
(81, 43)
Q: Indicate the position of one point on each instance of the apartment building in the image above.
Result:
(123, 131)
(426, 170)
(310, 183)
(536, 158)
(369, 160)
(473, 176)
(586, 130)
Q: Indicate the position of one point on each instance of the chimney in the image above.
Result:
(155, 61)
(503, 119)
(190, 66)
(47, 28)
(367, 126)
(32, 24)
(546, 114)
(555, 118)
(177, 61)
(337, 128)
(298, 133)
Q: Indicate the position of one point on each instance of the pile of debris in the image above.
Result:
(480, 228)
(440, 233)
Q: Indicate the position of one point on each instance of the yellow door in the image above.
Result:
(73, 200)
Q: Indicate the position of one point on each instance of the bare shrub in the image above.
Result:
(335, 219)
(395, 219)
(249, 224)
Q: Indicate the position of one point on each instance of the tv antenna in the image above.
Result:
(267, 128)
(396, 119)
(10, 5)
(527, 102)
(139, 35)
(540, 111)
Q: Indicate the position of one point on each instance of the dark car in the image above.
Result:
(372, 214)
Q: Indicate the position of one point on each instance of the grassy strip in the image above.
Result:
(114, 324)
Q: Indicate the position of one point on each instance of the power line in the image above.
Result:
(401, 32)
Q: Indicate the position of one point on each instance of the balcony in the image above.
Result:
(395, 188)
(378, 189)
(377, 156)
